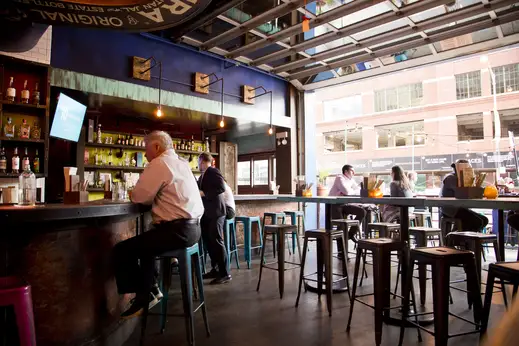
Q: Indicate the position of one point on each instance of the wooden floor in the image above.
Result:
(238, 315)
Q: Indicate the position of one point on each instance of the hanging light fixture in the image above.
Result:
(265, 92)
(222, 122)
(159, 113)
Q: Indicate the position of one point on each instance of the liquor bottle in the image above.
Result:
(96, 157)
(25, 93)
(182, 145)
(15, 162)
(132, 141)
(9, 128)
(27, 187)
(25, 129)
(36, 95)
(25, 161)
(103, 158)
(36, 131)
(127, 140)
(36, 163)
(134, 161)
(3, 161)
(99, 134)
(192, 143)
(126, 160)
(118, 139)
(110, 157)
(11, 91)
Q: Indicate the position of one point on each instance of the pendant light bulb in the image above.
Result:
(222, 123)
(270, 131)
(159, 112)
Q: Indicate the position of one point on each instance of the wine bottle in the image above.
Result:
(3, 161)
(36, 95)
(26, 164)
(11, 91)
(36, 163)
(25, 93)
(15, 162)
(132, 141)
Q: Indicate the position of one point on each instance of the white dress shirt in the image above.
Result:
(228, 198)
(168, 184)
(344, 186)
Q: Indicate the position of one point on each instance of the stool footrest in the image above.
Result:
(276, 269)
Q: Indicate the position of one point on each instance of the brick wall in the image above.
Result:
(40, 53)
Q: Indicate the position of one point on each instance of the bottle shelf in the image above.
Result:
(16, 175)
(178, 151)
(114, 146)
(114, 168)
(21, 140)
(23, 105)
(95, 189)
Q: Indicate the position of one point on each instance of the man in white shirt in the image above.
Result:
(345, 185)
(168, 185)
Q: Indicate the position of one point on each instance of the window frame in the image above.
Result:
(413, 92)
(463, 81)
(501, 72)
(482, 127)
(345, 142)
(388, 128)
(253, 189)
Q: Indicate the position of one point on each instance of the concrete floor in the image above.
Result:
(239, 315)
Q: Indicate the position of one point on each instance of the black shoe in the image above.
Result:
(137, 307)
(221, 280)
(155, 290)
(213, 274)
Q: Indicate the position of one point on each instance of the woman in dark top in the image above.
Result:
(399, 187)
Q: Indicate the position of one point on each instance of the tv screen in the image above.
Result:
(68, 119)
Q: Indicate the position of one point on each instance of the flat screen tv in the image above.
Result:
(68, 119)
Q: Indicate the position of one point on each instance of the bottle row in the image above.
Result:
(121, 139)
(15, 162)
(117, 158)
(25, 131)
(25, 94)
(190, 145)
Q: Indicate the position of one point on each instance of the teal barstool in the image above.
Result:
(185, 258)
(274, 220)
(231, 244)
(202, 254)
(294, 221)
(247, 235)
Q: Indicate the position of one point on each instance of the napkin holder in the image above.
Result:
(471, 192)
(75, 197)
(364, 193)
(299, 192)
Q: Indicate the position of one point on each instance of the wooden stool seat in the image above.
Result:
(384, 229)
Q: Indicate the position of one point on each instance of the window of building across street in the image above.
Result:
(507, 78)
(344, 140)
(404, 96)
(400, 135)
(343, 108)
(468, 85)
(470, 127)
(255, 171)
(509, 119)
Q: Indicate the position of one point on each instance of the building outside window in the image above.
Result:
(509, 122)
(400, 135)
(404, 96)
(470, 127)
(340, 141)
(507, 78)
(468, 85)
(343, 108)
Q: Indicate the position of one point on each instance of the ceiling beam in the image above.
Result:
(419, 28)
(352, 29)
(477, 48)
(326, 17)
(254, 22)
(462, 29)
(204, 19)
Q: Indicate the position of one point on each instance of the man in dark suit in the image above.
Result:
(212, 187)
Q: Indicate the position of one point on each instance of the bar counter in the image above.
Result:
(64, 253)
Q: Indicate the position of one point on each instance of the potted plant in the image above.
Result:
(322, 190)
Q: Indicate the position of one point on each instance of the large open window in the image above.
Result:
(509, 119)
(404, 96)
(400, 135)
(470, 127)
(344, 140)
(507, 78)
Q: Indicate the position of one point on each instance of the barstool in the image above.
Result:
(185, 257)
(294, 220)
(450, 224)
(274, 220)
(474, 241)
(381, 249)
(324, 240)
(384, 229)
(14, 291)
(279, 231)
(248, 221)
(423, 218)
(506, 272)
(231, 244)
(346, 225)
(441, 260)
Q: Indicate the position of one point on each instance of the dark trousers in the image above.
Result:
(470, 220)
(212, 233)
(134, 258)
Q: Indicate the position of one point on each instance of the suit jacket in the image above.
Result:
(213, 186)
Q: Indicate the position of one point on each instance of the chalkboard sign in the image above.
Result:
(127, 15)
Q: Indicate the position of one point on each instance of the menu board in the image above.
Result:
(504, 159)
(407, 163)
(436, 162)
(380, 165)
